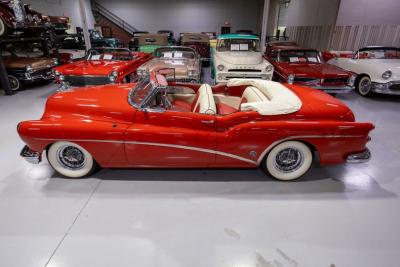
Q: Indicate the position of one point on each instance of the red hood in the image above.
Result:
(102, 103)
(92, 67)
(320, 71)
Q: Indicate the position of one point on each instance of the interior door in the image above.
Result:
(171, 139)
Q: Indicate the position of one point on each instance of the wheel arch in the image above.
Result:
(309, 144)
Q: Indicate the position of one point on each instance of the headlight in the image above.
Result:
(113, 76)
(29, 68)
(290, 79)
(387, 74)
(269, 68)
(351, 80)
(61, 77)
(220, 67)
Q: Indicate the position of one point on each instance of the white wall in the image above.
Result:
(68, 8)
(367, 12)
(312, 12)
(187, 15)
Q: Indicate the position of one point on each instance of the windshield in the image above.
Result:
(252, 45)
(142, 89)
(174, 53)
(379, 53)
(299, 56)
(109, 54)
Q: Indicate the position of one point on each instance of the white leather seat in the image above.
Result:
(252, 94)
(205, 102)
(280, 100)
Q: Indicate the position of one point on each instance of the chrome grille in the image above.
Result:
(243, 70)
(335, 80)
(86, 80)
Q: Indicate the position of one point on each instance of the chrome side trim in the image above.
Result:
(359, 157)
(258, 162)
(195, 149)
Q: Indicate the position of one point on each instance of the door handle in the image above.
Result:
(208, 122)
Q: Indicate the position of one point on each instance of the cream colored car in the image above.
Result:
(377, 69)
(184, 61)
(239, 56)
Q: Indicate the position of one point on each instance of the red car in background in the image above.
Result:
(101, 66)
(304, 66)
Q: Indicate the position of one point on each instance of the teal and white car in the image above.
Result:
(239, 56)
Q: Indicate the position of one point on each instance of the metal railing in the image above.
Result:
(98, 8)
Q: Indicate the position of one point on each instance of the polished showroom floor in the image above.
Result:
(338, 216)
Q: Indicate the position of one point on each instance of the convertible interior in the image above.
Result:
(265, 97)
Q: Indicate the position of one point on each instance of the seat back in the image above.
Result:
(252, 94)
(204, 101)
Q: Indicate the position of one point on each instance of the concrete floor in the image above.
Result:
(338, 216)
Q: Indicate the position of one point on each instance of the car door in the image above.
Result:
(160, 138)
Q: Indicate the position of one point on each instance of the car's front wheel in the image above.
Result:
(71, 160)
(14, 83)
(363, 86)
(288, 160)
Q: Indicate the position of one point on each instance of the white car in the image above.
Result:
(377, 69)
(239, 56)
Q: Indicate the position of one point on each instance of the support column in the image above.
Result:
(5, 84)
(264, 24)
(82, 10)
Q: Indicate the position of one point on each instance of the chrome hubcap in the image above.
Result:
(365, 86)
(289, 160)
(71, 157)
(2, 27)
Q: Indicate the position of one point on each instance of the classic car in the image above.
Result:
(246, 123)
(15, 15)
(101, 66)
(24, 70)
(60, 24)
(134, 42)
(150, 42)
(304, 66)
(97, 40)
(270, 45)
(185, 62)
(66, 56)
(171, 39)
(377, 69)
(239, 56)
(199, 42)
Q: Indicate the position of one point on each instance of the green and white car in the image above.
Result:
(239, 56)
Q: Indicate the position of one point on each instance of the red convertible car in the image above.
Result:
(304, 66)
(245, 123)
(101, 66)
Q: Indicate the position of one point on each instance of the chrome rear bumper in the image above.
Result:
(31, 156)
(359, 157)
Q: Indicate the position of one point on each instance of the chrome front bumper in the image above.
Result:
(359, 157)
(386, 88)
(31, 156)
(335, 89)
(223, 77)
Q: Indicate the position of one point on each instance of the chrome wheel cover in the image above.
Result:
(365, 86)
(289, 160)
(71, 157)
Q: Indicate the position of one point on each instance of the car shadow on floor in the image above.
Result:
(337, 182)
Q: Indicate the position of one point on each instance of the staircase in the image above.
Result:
(120, 28)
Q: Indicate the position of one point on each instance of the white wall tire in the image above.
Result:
(70, 160)
(364, 86)
(288, 161)
(14, 83)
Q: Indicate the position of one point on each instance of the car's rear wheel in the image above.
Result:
(71, 160)
(288, 160)
(363, 86)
